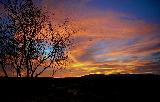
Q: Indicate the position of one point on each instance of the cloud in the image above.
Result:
(108, 41)
(153, 67)
(112, 25)
(125, 43)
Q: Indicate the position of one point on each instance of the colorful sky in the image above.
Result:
(115, 36)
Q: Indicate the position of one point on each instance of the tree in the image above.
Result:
(30, 43)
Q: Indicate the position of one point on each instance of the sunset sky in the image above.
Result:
(115, 36)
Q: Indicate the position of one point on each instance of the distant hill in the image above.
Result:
(121, 76)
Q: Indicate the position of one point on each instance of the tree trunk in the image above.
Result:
(5, 73)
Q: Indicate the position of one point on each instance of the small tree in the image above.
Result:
(33, 43)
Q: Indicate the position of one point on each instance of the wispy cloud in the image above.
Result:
(121, 41)
(109, 41)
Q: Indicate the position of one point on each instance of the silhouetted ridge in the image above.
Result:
(121, 76)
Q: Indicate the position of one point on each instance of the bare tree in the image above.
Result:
(34, 44)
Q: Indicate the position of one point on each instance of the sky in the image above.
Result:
(116, 36)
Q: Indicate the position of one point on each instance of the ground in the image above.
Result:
(92, 88)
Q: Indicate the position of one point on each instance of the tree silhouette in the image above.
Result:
(30, 43)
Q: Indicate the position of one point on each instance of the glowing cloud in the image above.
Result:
(109, 41)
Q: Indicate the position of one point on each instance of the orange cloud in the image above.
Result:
(113, 25)
(104, 43)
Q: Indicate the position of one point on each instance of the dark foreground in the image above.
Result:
(93, 88)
